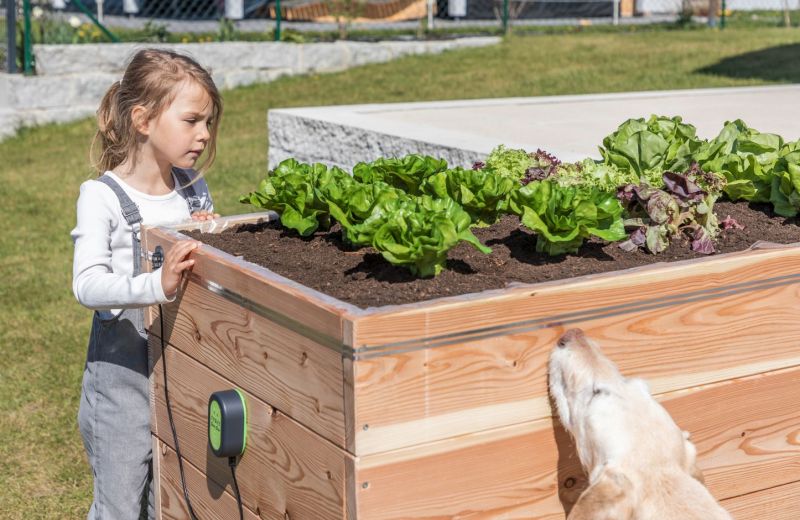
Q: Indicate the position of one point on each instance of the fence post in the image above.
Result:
(234, 9)
(713, 13)
(111, 36)
(277, 20)
(27, 44)
(787, 20)
(616, 13)
(11, 36)
(722, 16)
(505, 17)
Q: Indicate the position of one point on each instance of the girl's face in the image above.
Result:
(181, 132)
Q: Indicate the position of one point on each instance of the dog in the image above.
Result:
(641, 466)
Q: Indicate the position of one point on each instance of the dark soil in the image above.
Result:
(363, 278)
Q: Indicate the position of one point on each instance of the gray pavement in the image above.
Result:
(571, 127)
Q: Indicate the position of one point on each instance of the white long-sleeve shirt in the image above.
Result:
(102, 269)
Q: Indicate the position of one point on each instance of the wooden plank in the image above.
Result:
(510, 473)
(209, 500)
(297, 376)
(551, 301)
(314, 312)
(286, 467)
(747, 431)
(351, 500)
(778, 503)
(218, 225)
(348, 372)
(157, 476)
(531, 470)
(420, 396)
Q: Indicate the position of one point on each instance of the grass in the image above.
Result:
(43, 331)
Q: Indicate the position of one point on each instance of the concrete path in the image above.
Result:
(571, 127)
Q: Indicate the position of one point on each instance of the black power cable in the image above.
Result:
(232, 462)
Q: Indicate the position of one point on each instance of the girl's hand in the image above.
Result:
(204, 215)
(175, 263)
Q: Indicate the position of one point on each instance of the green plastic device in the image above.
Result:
(227, 423)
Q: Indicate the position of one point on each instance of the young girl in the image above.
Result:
(153, 125)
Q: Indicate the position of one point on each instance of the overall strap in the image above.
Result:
(129, 208)
(132, 216)
(185, 185)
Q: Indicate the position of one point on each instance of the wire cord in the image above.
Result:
(232, 461)
(232, 464)
(169, 415)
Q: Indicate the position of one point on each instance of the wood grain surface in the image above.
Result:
(560, 301)
(425, 395)
(747, 434)
(313, 311)
(285, 467)
(209, 500)
(444, 403)
(778, 503)
(297, 376)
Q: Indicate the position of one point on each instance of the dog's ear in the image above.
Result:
(691, 459)
(610, 497)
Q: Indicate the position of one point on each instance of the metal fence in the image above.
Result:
(4, 40)
(362, 11)
(387, 11)
(82, 21)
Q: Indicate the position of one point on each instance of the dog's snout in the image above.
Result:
(570, 336)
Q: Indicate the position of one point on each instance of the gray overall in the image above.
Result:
(114, 411)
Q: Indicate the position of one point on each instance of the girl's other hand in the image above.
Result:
(204, 215)
(175, 263)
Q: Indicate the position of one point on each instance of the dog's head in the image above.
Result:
(613, 419)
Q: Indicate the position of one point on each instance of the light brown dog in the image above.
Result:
(641, 466)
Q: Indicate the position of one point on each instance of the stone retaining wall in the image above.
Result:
(72, 79)
(295, 133)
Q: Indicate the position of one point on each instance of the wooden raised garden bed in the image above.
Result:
(440, 409)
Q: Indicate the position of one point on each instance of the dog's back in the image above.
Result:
(675, 495)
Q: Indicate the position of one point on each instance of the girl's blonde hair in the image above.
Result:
(149, 80)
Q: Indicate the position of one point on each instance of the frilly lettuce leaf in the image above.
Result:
(294, 190)
(563, 217)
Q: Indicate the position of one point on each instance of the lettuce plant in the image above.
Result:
(604, 177)
(481, 192)
(648, 148)
(364, 208)
(420, 234)
(544, 165)
(745, 157)
(294, 190)
(416, 232)
(407, 173)
(509, 162)
(563, 216)
(685, 205)
(785, 188)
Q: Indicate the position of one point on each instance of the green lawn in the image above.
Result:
(43, 330)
